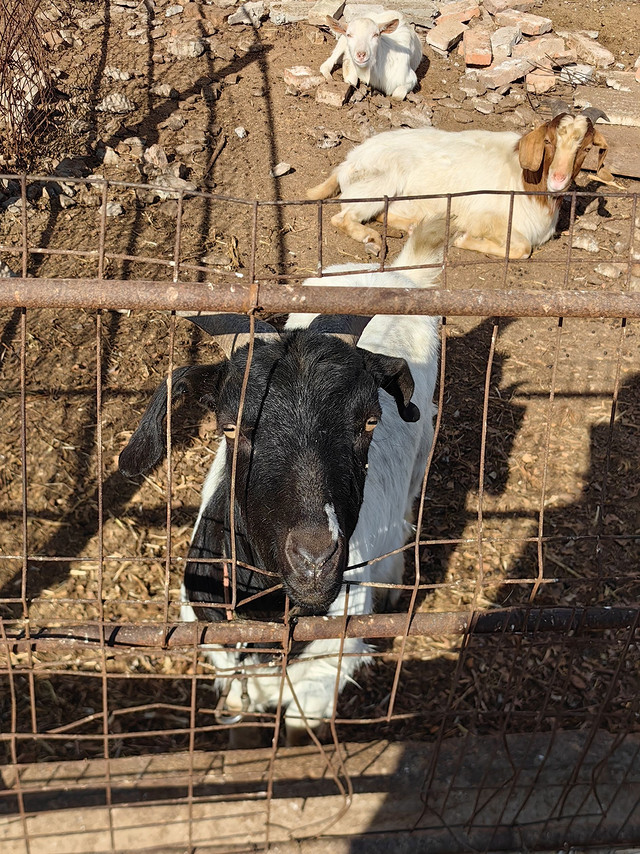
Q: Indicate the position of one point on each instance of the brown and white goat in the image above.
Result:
(433, 162)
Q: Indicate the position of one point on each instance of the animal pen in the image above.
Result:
(500, 711)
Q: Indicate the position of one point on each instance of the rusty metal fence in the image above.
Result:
(501, 708)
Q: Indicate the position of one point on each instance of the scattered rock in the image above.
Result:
(185, 47)
(240, 132)
(164, 90)
(280, 170)
(116, 73)
(91, 23)
(156, 158)
(249, 13)
(117, 103)
(110, 157)
(610, 271)
(170, 11)
(112, 209)
(482, 106)
(583, 241)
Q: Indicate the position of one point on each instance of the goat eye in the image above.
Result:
(371, 424)
(230, 431)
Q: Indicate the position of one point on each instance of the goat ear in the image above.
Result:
(391, 27)
(531, 149)
(336, 26)
(147, 445)
(601, 143)
(393, 375)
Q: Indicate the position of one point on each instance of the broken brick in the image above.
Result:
(530, 25)
(477, 47)
(459, 10)
(446, 35)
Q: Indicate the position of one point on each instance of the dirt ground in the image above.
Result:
(551, 443)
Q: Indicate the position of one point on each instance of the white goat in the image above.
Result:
(430, 161)
(310, 463)
(382, 50)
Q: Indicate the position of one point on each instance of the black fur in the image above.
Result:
(302, 445)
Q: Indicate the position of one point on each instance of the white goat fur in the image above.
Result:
(397, 459)
(431, 161)
(382, 50)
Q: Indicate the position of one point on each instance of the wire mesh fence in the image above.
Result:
(499, 710)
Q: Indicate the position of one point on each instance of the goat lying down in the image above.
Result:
(380, 49)
(428, 161)
(330, 457)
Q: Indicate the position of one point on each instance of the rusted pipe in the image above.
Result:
(506, 621)
(279, 298)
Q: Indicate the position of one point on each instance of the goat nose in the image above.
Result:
(311, 549)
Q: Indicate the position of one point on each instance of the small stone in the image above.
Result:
(446, 35)
(302, 77)
(116, 103)
(249, 13)
(164, 90)
(333, 94)
(530, 25)
(240, 132)
(111, 157)
(583, 241)
(414, 117)
(610, 271)
(280, 170)
(170, 11)
(116, 73)
(329, 139)
(482, 106)
(158, 33)
(156, 157)
(186, 47)
(91, 23)
(315, 36)
(112, 209)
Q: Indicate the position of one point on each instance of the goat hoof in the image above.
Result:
(372, 248)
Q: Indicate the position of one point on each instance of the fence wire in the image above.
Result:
(500, 710)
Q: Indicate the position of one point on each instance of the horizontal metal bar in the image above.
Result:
(271, 297)
(507, 620)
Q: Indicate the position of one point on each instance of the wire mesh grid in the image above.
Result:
(500, 707)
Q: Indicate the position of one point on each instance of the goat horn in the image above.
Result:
(593, 114)
(232, 331)
(558, 107)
